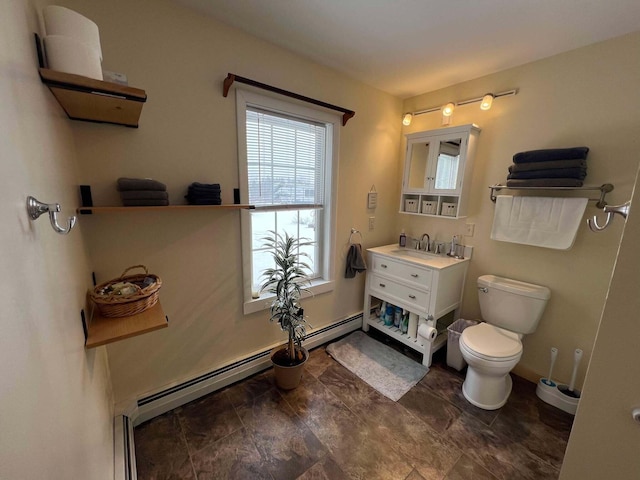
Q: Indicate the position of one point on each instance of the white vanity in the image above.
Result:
(426, 284)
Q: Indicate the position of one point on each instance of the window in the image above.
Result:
(287, 166)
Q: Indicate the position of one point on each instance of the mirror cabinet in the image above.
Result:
(437, 171)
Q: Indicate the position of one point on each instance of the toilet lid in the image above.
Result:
(493, 342)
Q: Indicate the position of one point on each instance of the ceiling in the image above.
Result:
(409, 47)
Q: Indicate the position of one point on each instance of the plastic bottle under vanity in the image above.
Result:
(403, 239)
(388, 317)
(404, 323)
(397, 317)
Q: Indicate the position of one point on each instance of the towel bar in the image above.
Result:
(604, 189)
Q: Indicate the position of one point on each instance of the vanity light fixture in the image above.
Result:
(485, 102)
(447, 110)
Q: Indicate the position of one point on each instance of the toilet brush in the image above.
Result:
(577, 356)
(554, 355)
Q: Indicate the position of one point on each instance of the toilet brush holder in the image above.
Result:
(558, 395)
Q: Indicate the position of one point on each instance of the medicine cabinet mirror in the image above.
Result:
(438, 166)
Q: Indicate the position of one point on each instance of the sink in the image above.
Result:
(416, 253)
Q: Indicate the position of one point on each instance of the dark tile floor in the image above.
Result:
(334, 426)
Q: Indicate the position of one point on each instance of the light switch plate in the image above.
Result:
(470, 228)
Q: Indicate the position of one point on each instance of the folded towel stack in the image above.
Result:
(557, 167)
(204, 194)
(142, 192)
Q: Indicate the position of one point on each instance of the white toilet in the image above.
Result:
(510, 309)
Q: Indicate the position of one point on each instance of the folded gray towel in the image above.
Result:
(144, 195)
(141, 202)
(551, 154)
(545, 182)
(355, 261)
(552, 164)
(140, 184)
(578, 173)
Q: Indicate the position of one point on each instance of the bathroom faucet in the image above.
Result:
(425, 246)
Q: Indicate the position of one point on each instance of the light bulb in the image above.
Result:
(447, 110)
(406, 119)
(487, 100)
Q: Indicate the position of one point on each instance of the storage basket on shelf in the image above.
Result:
(127, 295)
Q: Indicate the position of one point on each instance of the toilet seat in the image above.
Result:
(491, 343)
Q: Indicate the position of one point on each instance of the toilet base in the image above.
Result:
(486, 392)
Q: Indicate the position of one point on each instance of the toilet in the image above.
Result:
(510, 309)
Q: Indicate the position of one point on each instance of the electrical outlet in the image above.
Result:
(470, 228)
(372, 223)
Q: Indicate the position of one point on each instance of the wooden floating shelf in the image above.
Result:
(91, 100)
(103, 330)
(90, 210)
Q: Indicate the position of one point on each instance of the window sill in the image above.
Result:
(264, 302)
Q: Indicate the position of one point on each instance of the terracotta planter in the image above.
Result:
(288, 377)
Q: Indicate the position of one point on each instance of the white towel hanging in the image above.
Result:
(548, 222)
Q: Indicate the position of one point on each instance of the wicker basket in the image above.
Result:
(111, 305)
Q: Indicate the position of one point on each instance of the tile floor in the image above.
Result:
(334, 426)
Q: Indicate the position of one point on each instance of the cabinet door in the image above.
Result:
(447, 167)
(417, 165)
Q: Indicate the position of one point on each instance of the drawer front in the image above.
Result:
(411, 296)
(421, 276)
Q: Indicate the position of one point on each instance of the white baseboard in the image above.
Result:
(135, 412)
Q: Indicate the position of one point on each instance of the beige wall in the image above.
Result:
(188, 133)
(584, 97)
(55, 398)
(604, 436)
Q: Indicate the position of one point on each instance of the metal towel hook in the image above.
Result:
(610, 210)
(36, 208)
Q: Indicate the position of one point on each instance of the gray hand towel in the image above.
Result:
(577, 172)
(545, 182)
(355, 261)
(551, 154)
(526, 167)
(140, 184)
(144, 195)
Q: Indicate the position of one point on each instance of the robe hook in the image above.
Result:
(610, 210)
(36, 208)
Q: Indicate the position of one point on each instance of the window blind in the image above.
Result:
(285, 160)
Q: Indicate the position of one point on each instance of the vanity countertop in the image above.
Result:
(418, 257)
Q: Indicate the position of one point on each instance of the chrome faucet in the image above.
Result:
(425, 246)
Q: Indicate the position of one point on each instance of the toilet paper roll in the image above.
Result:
(412, 331)
(65, 54)
(427, 332)
(63, 21)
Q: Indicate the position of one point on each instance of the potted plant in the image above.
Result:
(287, 280)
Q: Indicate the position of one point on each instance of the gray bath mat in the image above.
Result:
(389, 372)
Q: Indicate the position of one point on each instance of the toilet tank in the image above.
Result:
(511, 304)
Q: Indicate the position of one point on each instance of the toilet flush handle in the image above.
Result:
(483, 289)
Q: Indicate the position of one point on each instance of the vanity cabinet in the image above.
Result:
(437, 172)
(428, 285)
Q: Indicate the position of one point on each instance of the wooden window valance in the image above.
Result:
(346, 114)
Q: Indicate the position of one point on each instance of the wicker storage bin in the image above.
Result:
(112, 305)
